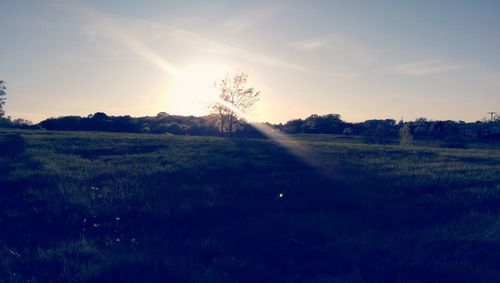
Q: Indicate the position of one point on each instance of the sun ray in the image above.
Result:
(296, 147)
(192, 86)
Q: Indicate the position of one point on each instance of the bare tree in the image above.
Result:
(235, 98)
(3, 95)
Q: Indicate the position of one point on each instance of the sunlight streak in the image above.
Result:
(297, 148)
(188, 82)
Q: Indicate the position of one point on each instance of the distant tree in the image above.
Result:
(379, 131)
(405, 137)
(293, 126)
(175, 128)
(22, 122)
(421, 121)
(420, 131)
(323, 124)
(234, 98)
(100, 116)
(125, 124)
(3, 94)
(347, 131)
(436, 130)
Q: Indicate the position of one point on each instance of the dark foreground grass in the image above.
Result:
(97, 207)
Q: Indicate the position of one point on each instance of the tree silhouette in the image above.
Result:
(235, 98)
(3, 95)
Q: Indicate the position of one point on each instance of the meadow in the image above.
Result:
(102, 207)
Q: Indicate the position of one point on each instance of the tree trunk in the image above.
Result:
(231, 121)
(221, 114)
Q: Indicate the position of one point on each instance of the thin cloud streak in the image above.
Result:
(309, 44)
(248, 20)
(426, 67)
(103, 25)
(113, 31)
(76, 56)
(209, 46)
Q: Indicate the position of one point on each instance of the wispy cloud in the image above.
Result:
(100, 24)
(310, 43)
(248, 19)
(426, 67)
(106, 56)
(239, 24)
(107, 27)
(134, 35)
(209, 46)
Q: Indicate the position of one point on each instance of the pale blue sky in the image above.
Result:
(361, 59)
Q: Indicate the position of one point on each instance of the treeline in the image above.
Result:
(385, 130)
(162, 123)
(375, 130)
(17, 123)
(159, 124)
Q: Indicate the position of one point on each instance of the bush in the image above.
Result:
(453, 142)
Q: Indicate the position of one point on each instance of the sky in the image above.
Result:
(361, 59)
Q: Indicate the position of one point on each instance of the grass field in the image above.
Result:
(101, 207)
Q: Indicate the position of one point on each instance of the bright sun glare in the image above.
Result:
(194, 88)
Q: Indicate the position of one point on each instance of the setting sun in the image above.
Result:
(193, 88)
